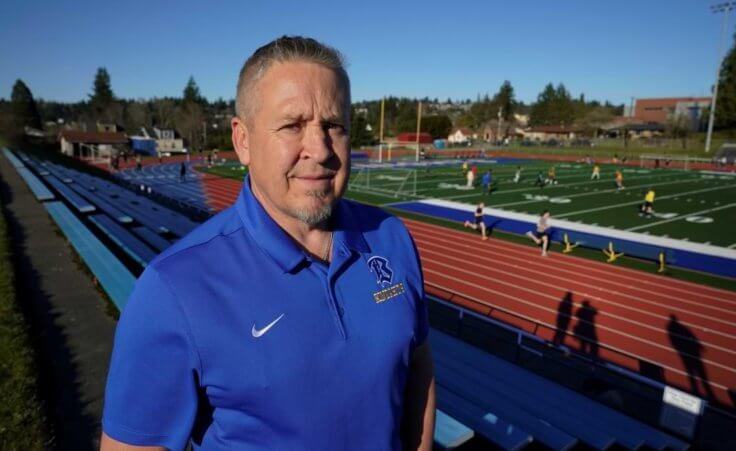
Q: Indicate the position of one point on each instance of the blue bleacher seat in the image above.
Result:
(101, 204)
(596, 424)
(76, 201)
(486, 423)
(128, 242)
(112, 275)
(448, 432)
(491, 392)
(13, 159)
(154, 239)
(37, 187)
(504, 409)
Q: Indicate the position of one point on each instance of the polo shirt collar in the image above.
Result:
(270, 237)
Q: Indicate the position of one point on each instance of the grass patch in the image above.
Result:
(22, 418)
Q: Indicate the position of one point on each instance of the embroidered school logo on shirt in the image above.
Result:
(379, 267)
(384, 276)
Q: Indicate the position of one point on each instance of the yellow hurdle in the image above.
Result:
(611, 253)
(568, 246)
(662, 262)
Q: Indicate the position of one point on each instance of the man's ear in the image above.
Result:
(241, 140)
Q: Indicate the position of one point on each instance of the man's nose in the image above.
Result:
(318, 143)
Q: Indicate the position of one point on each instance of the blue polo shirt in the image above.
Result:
(237, 338)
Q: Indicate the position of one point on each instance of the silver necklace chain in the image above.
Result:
(328, 248)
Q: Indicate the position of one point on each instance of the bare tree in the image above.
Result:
(678, 126)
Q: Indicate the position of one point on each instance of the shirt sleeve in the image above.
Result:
(151, 393)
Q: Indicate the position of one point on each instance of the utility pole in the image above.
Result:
(380, 134)
(498, 133)
(724, 8)
(419, 125)
(204, 132)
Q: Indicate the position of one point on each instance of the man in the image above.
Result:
(486, 181)
(541, 234)
(619, 178)
(540, 180)
(517, 174)
(478, 222)
(596, 175)
(648, 206)
(470, 176)
(293, 319)
(551, 176)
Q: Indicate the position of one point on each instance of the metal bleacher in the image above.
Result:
(128, 242)
(495, 397)
(115, 278)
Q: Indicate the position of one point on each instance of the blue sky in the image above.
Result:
(607, 50)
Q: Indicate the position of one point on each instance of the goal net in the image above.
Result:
(390, 182)
(664, 161)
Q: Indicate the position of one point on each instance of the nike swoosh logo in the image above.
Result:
(258, 332)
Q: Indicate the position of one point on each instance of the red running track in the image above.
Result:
(622, 315)
(619, 314)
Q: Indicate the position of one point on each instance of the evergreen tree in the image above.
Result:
(359, 134)
(102, 95)
(554, 106)
(23, 109)
(726, 102)
(438, 126)
(191, 92)
(504, 99)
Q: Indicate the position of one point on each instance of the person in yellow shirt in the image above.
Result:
(648, 206)
(551, 176)
(596, 175)
(619, 179)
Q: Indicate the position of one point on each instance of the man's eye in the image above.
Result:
(296, 126)
(333, 126)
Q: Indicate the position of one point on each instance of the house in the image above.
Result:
(491, 132)
(634, 129)
(547, 132)
(167, 140)
(461, 136)
(92, 145)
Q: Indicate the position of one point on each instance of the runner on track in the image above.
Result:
(478, 222)
(541, 234)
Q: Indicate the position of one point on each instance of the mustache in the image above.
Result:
(312, 173)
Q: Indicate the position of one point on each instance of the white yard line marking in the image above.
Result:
(612, 190)
(671, 196)
(536, 189)
(677, 218)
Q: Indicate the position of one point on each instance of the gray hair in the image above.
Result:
(284, 49)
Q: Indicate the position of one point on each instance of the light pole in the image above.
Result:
(724, 8)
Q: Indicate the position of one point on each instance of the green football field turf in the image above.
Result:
(689, 205)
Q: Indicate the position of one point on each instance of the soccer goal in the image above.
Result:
(664, 161)
(390, 182)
